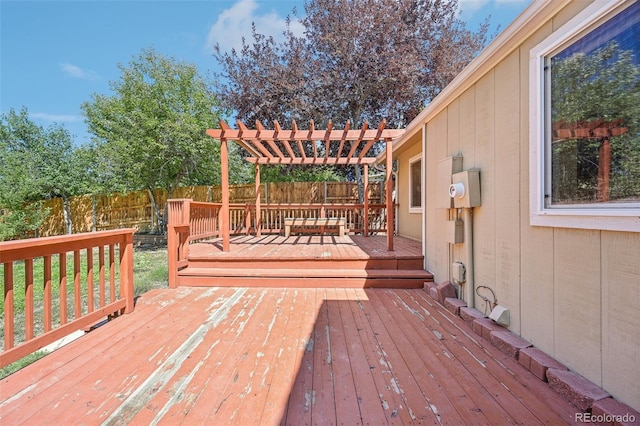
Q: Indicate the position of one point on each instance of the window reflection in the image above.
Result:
(594, 130)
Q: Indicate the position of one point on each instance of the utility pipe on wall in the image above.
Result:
(467, 218)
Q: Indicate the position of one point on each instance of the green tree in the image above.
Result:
(35, 164)
(358, 60)
(151, 132)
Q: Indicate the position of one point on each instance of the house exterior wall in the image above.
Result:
(573, 293)
(409, 223)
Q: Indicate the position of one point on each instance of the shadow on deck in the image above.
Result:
(281, 356)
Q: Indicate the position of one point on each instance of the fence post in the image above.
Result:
(325, 192)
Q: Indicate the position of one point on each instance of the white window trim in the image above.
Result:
(411, 161)
(605, 218)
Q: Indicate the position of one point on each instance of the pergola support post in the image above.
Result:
(258, 193)
(366, 200)
(224, 211)
(389, 194)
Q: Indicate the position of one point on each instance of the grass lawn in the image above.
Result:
(149, 271)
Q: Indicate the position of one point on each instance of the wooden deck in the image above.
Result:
(306, 260)
(280, 356)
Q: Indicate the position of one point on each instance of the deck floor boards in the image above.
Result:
(280, 356)
(276, 247)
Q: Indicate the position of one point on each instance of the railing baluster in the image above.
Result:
(29, 320)
(8, 306)
(63, 288)
(101, 275)
(112, 273)
(48, 315)
(90, 299)
(77, 291)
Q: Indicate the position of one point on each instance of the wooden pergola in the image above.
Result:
(601, 130)
(310, 147)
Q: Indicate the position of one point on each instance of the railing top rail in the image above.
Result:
(315, 205)
(278, 205)
(11, 251)
(204, 204)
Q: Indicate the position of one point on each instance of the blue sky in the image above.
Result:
(55, 54)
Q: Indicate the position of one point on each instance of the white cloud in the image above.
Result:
(56, 118)
(234, 23)
(470, 6)
(77, 72)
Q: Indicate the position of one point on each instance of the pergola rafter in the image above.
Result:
(599, 129)
(266, 146)
(296, 146)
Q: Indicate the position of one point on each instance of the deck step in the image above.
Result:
(269, 277)
(408, 263)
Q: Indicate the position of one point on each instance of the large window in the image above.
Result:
(415, 184)
(586, 125)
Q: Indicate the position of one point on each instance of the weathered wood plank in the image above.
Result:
(369, 325)
(76, 365)
(298, 409)
(499, 370)
(149, 379)
(288, 356)
(322, 394)
(166, 396)
(263, 379)
(301, 314)
(346, 399)
(218, 345)
(225, 390)
(404, 382)
(446, 397)
(365, 386)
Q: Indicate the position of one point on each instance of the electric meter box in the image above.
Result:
(465, 189)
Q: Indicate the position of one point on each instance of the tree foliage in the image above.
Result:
(151, 132)
(603, 85)
(35, 164)
(359, 60)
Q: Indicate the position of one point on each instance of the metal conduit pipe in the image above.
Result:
(467, 218)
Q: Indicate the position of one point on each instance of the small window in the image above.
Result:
(415, 184)
(586, 129)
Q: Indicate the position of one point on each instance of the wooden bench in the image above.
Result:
(314, 225)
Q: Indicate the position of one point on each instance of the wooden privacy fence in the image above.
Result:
(88, 213)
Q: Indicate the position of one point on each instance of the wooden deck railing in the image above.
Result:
(63, 304)
(190, 221)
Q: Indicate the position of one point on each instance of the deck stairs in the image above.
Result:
(325, 269)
